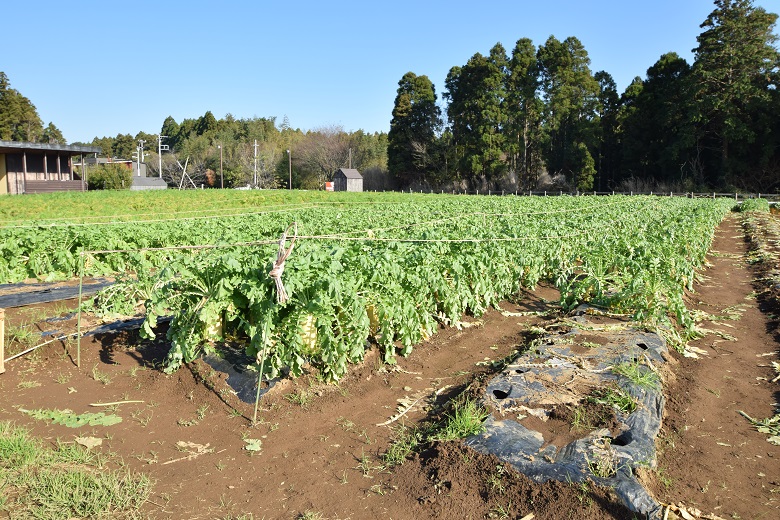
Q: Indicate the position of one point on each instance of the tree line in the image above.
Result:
(234, 152)
(19, 119)
(532, 118)
(225, 152)
(538, 117)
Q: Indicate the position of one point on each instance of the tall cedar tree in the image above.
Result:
(523, 109)
(476, 113)
(735, 71)
(412, 137)
(571, 98)
(19, 120)
(659, 133)
(607, 164)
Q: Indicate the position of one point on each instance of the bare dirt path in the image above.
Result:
(710, 455)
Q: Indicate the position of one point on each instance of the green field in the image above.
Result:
(387, 266)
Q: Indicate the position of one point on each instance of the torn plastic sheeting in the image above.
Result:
(122, 325)
(509, 440)
(47, 292)
(242, 380)
(549, 375)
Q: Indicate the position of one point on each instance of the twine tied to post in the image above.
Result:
(281, 256)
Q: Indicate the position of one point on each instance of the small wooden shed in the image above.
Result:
(40, 167)
(347, 179)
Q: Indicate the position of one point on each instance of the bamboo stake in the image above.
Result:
(78, 321)
(114, 403)
(259, 383)
(2, 340)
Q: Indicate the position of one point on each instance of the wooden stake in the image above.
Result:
(2, 340)
(259, 383)
(78, 321)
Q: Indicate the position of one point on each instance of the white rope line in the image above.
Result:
(345, 236)
(299, 205)
(176, 248)
(285, 209)
(371, 231)
(326, 238)
(153, 221)
(58, 338)
(129, 215)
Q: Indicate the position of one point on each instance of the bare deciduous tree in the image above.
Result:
(323, 151)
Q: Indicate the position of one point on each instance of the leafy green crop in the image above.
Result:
(384, 269)
(72, 420)
(394, 274)
(753, 205)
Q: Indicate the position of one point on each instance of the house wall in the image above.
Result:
(3, 176)
(39, 167)
(342, 183)
(354, 184)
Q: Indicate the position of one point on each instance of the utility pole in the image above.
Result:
(139, 154)
(289, 160)
(160, 149)
(255, 184)
(221, 178)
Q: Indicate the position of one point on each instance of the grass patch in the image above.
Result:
(302, 398)
(638, 374)
(405, 441)
(614, 397)
(464, 419)
(20, 338)
(63, 482)
(100, 377)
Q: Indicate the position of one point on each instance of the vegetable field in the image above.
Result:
(390, 267)
(483, 288)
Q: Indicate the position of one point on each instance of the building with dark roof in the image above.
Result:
(347, 179)
(40, 167)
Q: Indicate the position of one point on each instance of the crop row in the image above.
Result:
(392, 268)
(395, 272)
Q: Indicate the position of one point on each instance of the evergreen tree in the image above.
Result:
(170, 128)
(19, 120)
(631, 151)
(476, 94)
(523, 109)
(106, 145)
(412, 137)
(607, 162)
(658, 130)
(207, 124)
(571, 100)
(52, 135)
(123, 147)
(735, 66)
(584, 167)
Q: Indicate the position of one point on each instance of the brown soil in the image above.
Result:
(711, 457)
(322, 447)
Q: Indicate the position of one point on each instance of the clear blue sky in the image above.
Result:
(100, 68)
